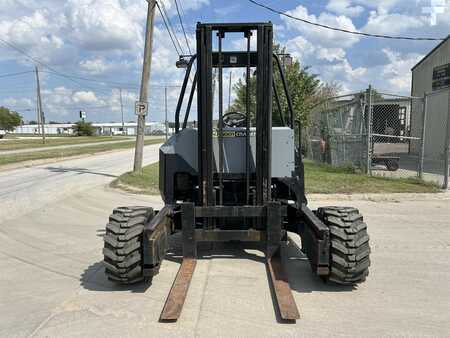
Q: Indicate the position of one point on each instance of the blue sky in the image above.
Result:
(102, 40)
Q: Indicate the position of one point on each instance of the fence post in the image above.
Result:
(369, 130)
(424, 126)
(447, 145)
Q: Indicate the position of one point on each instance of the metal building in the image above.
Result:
(431, 78)
(113, 128)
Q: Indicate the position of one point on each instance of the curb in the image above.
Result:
(395, 197)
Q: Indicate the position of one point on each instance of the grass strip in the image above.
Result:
(58, 153)
(319, 179)
(33, 143)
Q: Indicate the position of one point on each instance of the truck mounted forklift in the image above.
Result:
(239, 181)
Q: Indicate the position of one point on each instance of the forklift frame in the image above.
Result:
(262, 214)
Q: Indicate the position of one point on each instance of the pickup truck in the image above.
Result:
(2, 133)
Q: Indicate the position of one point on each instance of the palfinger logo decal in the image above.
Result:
(233, 133)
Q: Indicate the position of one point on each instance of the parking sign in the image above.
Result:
(141, 108)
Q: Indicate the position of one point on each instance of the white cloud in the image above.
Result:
(320, 35)
(300, 48)
(59, 96)
(344, 7)
(391, 23)
(351, 79)
(37, 34)
(194, 5)
(398, 71)
(331, 64)
(383, 6)
(20, 102)
(331, 54)
(86, 97)
(164, 59)
(308, 53)
(94, 66)
(100, 25)
(188, 5)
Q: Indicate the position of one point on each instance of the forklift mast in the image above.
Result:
(263, 66)
(210, 177)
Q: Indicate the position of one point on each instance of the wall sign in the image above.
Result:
(441, 77)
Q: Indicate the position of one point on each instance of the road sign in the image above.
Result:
(82, 114)
(141, 108)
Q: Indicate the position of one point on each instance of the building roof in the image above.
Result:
(431, 52)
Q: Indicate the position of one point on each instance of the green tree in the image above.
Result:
(82, 128)
(305, 88)
(9, 119)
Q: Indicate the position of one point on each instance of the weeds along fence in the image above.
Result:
(383, 134)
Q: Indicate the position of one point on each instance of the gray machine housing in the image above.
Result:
(179, 157)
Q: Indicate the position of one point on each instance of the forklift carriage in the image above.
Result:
(242, 181)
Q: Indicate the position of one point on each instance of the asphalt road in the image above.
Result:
(52, 282)
(26, 189)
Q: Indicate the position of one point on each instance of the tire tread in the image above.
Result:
(350, 247)
(122, 249)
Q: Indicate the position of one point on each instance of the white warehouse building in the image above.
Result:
(113, 128)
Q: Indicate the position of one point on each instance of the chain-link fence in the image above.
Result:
(434, 151)
(392, 147)
(383, 134)
(337, 132)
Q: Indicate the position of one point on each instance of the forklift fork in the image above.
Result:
(278, 280)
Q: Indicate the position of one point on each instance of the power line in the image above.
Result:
(104, 82)
(73, 77)
(182, 27)
(167, 28)
(15, 74)
(113, 83)
(171, 27)
(380, 36)
(12, 88)
(21, 51)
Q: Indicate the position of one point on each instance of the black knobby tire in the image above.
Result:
(350, 248)
(123, 244)
(392, 165)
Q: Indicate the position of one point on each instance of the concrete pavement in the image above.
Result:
(52, 282)
(26, 189)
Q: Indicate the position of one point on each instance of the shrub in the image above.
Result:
(82, 128)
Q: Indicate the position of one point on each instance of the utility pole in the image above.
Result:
(121, 110)
(38, 114)
(39, 100)
(165, 105)
(143, 97)
(229, 91)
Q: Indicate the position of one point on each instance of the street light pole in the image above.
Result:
(39, 101)
(38, 114)
(121, 110)
(165, 105)
(143, 97)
